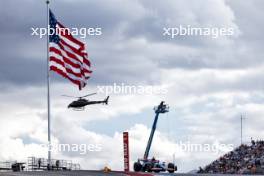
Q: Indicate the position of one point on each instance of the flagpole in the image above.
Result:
(48, 88)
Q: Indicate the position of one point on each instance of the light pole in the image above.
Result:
(241, 128)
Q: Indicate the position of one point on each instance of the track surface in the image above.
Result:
(93, 173)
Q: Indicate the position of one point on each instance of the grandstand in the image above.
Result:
(35, 164)
(245, 159)
(39, 164)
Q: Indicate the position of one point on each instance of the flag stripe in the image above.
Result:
(66, 71)
(61, 59)
(72, 44)
(70, 37)
(56, 69)
(86, 63)
(71, 70)
(65, 57)
(71, 48)
(70, 53)
(69, 60)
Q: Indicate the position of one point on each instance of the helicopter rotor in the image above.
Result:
(80, 96)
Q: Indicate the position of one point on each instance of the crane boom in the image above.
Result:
(162, 108)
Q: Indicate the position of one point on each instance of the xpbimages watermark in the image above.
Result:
(215, 147)
(81, 32)
(127, 89)
(82, 149)
(189, 30)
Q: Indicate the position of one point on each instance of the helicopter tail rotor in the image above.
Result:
(106, 100)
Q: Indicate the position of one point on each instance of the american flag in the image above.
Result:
(67, 55)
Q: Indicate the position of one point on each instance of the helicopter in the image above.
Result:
(82, 102)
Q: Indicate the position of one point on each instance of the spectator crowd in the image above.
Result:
(246, 159)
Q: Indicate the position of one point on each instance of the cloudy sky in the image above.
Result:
(209, 81)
